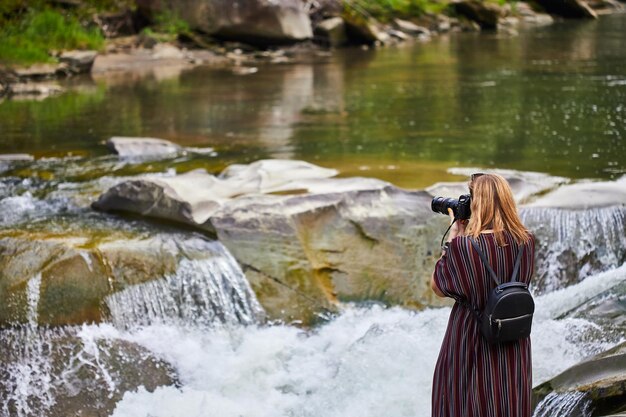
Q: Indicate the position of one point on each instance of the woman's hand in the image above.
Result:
(458, 227)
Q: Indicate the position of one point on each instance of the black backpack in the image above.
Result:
(508, 314)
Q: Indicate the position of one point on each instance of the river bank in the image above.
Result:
(151, 35)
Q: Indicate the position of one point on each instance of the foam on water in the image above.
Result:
(28, 378)
(201, 292)
(575, 244)
(366, 362)
(564, 405)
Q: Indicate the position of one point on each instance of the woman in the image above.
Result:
(472, 377)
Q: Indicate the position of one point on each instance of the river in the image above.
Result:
(550, 99)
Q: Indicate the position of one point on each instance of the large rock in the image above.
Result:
(142, 147)
(331, 32)
(585, 195)
(346, 239)
(576, 9)
(74, 274)
(484, 13)
(364, 29)
(193, 197)
(70, 371)
(352, 246)
(251, 21)
(78, 62)
(602, 379)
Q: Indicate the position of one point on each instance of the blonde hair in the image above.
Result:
(493, 207)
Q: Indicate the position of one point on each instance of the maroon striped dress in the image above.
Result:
(472, 377)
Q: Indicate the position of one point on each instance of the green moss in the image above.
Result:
(31, 37)
(386, 10)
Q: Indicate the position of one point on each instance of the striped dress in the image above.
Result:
(472, 377)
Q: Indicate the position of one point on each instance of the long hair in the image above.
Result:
(493, 207)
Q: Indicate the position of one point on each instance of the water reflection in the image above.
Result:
(550, 99)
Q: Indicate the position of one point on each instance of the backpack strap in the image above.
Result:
(517, 263)
(483, 258)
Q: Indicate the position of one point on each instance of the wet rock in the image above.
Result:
(576, 9)
(40, 89)
(532, 17)
(72, 372)
(192, 198)
(602, 379)
(331, 32)
(167, 51)
(16, 157)
(38, 72)
(364, 30)
(78, 62)
(322, 249)
(605, 6)
(585, 195)
(76, 274)
(525, 185)
(252, 21)
(410, 28)
(142, 147)
(484, 13)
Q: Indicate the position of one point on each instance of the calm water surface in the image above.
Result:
(552, 99)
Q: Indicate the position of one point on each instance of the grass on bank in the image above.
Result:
(386, 10)
(36, 33)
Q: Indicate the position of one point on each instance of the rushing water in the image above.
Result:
(550, 100)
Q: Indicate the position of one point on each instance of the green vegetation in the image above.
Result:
(385, 10)
(31, 37)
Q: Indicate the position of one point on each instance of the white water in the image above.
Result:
(563, 405)
(593, 239)
(202, 291)
(29, 376)
(366, 362)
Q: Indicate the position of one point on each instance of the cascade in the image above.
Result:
(201, 291)
(574, 244)
(569, 404)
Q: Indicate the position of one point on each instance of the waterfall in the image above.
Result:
(26, 367)
(200, 292)
(574, 244)
(569, 404)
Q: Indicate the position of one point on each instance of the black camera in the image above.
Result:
(460, 207)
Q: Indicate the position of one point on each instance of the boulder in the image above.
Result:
(331, 32)
(602, 380)
(74, 275)
(364, 30)
(347, 239)
(484, 13)
(142, 147)
(377, 244)
(605, 6)
(410, 28)
(78, 62)
(575, 9)
(530, 16)
(71, 372)
(260, 22)
(39, 89)
(192, 198)
(39, 71)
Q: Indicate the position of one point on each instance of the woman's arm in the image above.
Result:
(457, 229)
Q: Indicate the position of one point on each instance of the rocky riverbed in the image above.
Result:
(247, 33)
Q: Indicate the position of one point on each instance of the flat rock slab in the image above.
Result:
(142, 147)
(192, 198)
(16, 157)
(524, 185)
(585, 195)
